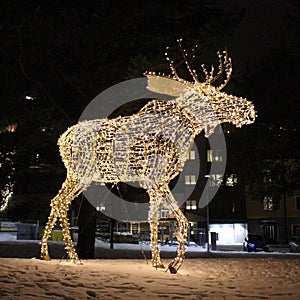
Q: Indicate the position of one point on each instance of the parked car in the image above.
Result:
(255, 242)
(294, 245)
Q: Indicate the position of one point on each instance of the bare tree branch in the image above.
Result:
(39, 84)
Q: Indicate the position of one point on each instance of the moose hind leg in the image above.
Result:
(181, 232)
(70, 192)
(59, 206)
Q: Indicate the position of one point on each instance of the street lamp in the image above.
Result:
(207, 215)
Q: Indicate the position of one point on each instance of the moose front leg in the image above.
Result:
(67, 236)
(48, 229)
(156, 260)
(155, 199)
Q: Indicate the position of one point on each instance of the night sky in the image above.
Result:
(68, 36)
(63, 54)
(263, 27)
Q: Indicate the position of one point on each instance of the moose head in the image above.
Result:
(204, 102)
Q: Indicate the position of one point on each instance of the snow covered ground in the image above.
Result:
(239, 276)
(214, 278)
(10, 246)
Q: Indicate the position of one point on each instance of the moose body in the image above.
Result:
(131, 148)
(149, 147)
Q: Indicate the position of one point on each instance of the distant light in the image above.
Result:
(11, 128)
(29, 98)
(100, 208)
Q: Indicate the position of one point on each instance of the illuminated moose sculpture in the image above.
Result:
(149, 147)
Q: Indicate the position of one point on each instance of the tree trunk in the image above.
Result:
(86, 233)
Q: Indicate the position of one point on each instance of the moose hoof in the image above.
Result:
(159, 265)
(76, 261)
(45, 257)
(172, 270)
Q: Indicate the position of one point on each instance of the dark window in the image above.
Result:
(298, 202)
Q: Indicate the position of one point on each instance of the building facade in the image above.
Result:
(277, 225)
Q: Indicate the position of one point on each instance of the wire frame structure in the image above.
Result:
(149, 147)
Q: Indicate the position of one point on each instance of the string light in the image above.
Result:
(149, 147)
(6, 192)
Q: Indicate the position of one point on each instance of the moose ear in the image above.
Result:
(165, 85)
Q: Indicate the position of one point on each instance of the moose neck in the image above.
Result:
(199, 111)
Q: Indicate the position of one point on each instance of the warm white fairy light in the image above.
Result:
(6, 194)
(149, 147)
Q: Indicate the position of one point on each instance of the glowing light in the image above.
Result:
(149, 147)
(6, 194)
(29, 98)
(11, 128)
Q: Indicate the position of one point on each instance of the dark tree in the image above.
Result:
(86, 232)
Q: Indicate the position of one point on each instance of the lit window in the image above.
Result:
(190, 179)
(231, 180)
(191, 205)
(298, 202)
(192, 155)
(193, 179)
(268, 203)
(100, 208)
(215, 180)
(215, 156)
(187, 179)
(209, 155)
(218, 157)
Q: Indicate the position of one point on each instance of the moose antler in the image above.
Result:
(225, 64)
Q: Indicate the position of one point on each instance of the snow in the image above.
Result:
(213, 278)
(145, 246)
(8, 236)
(235, 276)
